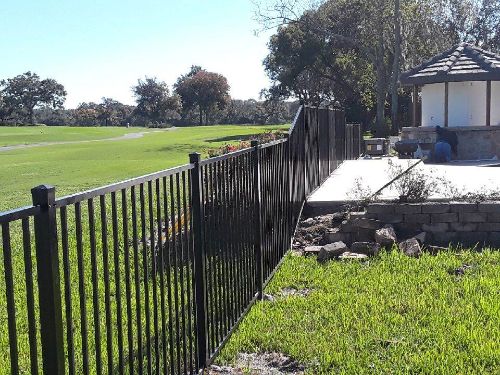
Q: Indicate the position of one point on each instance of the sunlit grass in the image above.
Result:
(76, 167)
(391, 315)
(25, 135)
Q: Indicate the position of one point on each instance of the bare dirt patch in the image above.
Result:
(292, 292)
(260, 364)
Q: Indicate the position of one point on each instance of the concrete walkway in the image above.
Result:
(124, 137)
(357, 179)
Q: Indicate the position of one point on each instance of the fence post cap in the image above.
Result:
(194, 157)
(43, 194)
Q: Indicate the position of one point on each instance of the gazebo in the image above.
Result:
(459, 90)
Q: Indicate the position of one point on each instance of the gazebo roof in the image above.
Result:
(463, 62)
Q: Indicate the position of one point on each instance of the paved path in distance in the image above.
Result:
(124, 137)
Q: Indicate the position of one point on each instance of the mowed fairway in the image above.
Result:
(38, 134)
(80, 166)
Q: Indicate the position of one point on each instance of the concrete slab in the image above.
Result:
(356, 179)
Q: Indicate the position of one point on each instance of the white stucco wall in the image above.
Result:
(433, 105)
(466, 104)
(495, 103)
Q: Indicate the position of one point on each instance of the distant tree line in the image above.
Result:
(198, 97)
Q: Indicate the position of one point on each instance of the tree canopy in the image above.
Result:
(202, 90)
(22, 94)
(154, 101)
(351, 52)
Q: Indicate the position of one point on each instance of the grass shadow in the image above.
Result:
(230, 138)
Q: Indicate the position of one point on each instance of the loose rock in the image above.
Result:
(308, 222)
(335, 235)
(367, 223)
(312, 250)
(411, 247)
(357, 215)
(367, 248)
(268, 297)
(386, 236)
(421, 238)
(332, 251)
(352, 256)
(337, 218)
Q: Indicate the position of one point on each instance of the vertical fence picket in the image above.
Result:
(30, 302)
(9, 291)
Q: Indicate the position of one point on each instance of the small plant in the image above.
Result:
(228, 148)
(360, 191)
(411, 183)
(481, 195)
(265, 137)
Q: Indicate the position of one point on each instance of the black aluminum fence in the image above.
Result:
(153, 274)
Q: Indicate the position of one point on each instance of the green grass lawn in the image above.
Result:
(75, 167)
(79, 166)
(391, 315)
(10, 135)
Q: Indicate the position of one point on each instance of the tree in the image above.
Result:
(202, 90)
(386, 35)
(109, 112)
(113, 113)
(6, 109)
(303, 64)
(154, 101)
(87, 114)
(25, 92)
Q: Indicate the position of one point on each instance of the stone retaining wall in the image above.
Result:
(474, 142)
(444, 223)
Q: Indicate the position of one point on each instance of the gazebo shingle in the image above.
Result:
(463, 62)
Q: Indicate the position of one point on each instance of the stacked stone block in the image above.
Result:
(444, 222)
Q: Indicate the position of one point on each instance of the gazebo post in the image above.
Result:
(446, 108)
(488, 103)
(415, 103)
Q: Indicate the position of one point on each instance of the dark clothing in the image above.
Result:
(444, 135)
(442, 152)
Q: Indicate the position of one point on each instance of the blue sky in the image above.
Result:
(100, 48)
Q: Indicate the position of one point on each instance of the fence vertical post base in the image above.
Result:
(259, 257)
(199, 261)
(51, 323)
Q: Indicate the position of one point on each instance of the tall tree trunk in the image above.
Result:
(201, 116)
(381, 89)
(31, 114)
(396, 68)
(380, 69)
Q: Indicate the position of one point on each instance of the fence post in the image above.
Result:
(199, 261)
(259, 256)
(49, 286)
(304, 153)
(327, 110)
(318, 147)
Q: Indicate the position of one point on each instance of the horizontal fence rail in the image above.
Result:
(153, 274)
